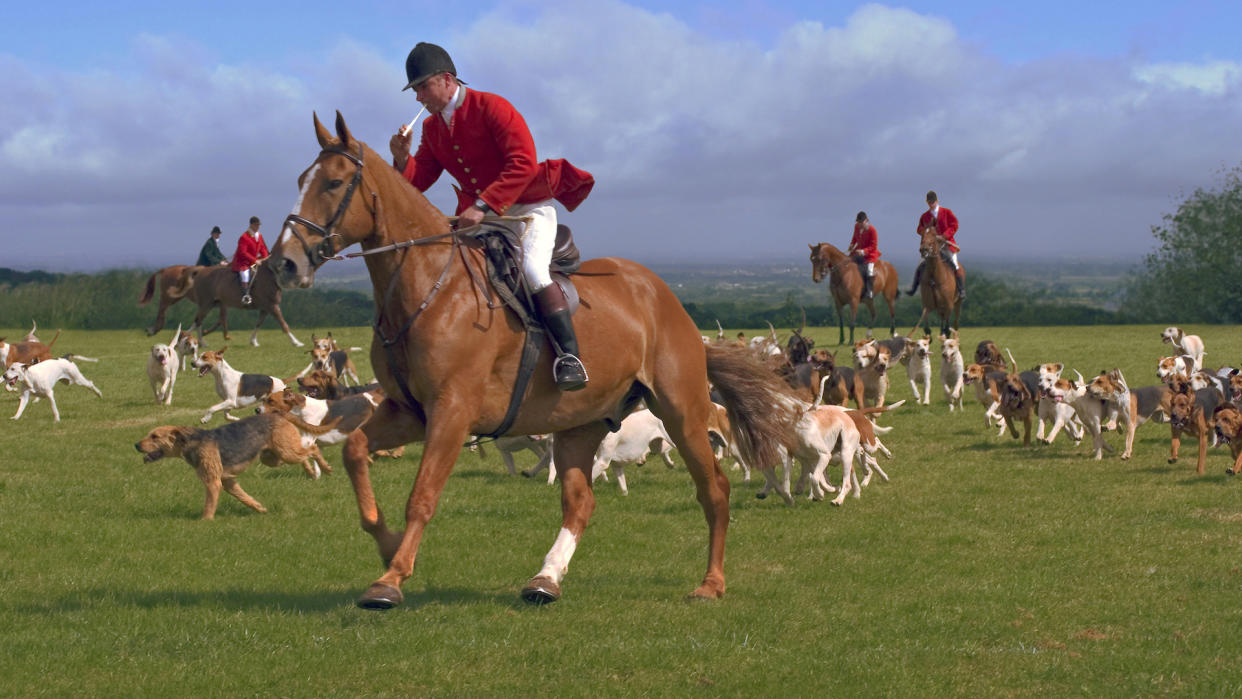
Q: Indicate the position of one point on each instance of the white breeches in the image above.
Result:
(955, 264)
(870, 269)
(244, 275)
(538, 240)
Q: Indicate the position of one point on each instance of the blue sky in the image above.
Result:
(737, 129)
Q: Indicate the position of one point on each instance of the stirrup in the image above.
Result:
(569, 373)
(246, 300)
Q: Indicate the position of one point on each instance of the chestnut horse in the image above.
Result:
(219, 286)
(846, 284)
(447, 360)
(171, 283)
(938, 284)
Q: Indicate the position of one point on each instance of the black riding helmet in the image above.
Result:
(426, 60)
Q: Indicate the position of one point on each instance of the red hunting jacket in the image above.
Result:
(490, 152)
(946, 224)
(866, 242)
(249, 250)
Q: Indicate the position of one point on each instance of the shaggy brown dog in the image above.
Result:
(989, 355)
(220, 455)
(1016, 403)
(1228, 425)
(1192, 412)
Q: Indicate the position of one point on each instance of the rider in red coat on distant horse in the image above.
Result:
(484, 143)
(946, 226)
(251, 250)
(865, 249)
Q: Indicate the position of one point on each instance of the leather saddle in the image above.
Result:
(504, 266)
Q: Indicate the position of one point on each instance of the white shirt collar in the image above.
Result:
(936, 211)
(458, 96)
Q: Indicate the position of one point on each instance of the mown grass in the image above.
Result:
(982, 568)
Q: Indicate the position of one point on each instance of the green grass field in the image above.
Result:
(982, 568)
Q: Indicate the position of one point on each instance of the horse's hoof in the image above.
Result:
(1172, 461)
(380, 597)
(541, 590)
(760, 496)
(704, 592)
(1229, 472)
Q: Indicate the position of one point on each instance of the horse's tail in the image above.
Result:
(184, 283)
(762, 411)
(148, 292)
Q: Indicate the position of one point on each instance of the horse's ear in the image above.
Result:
(342, 131)
(321, 133)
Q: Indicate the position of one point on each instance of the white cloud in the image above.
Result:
(1214, 78)
(740, 147)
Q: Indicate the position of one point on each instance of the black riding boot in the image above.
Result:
(868, 286)
(918, 274)
(245, 299)
(553, 308)
(961, 284)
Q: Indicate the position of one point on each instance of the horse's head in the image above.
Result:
(328, 216)
(823, 257)
(929, 241)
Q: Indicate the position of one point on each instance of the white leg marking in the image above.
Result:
(556, 563)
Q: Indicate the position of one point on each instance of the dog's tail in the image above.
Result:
(54, 339)
(881, 430)
(819, 397)
(309, 428)
(33, 327)
(1012, 361)
(1081, 380)
(885, 409)
(79, 358)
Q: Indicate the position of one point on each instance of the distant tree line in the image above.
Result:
(1195, 273)
(109, 300)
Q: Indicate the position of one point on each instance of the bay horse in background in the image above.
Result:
(447, 360)
(938, 285)
(209, 287)
(171, 283)
(845, 282)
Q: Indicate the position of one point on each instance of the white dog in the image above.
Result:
(952, 371)
(162, 370)
(39, 381)
(1191, 345)
(187, 347)
(631, 444)
(918, 368)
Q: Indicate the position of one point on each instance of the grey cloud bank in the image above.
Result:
(702, 148)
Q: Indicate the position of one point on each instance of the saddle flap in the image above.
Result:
(565, 256)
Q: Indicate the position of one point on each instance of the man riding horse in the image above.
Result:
(251, 250)
(483, 142)
(865, 249)
(946, 226)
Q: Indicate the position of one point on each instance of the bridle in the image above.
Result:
(324, 251)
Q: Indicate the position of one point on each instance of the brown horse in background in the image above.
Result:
(938, 284)
(447, 360)
(845, 282)
(209, 287)
(172, 282)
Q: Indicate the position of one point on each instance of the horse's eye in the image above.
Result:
(333, 184)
